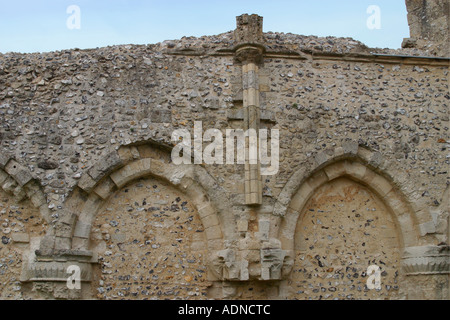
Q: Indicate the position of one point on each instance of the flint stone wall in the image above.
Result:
(71, 120)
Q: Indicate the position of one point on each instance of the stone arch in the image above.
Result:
(68, 241)
(365, 167)
(405, 219)
(17, 181)
(411, 217)
(130, 163)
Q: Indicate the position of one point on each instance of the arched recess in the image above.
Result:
(369, 168)
(150, 243)
(130, 163)
(406, 217)
(402, 211)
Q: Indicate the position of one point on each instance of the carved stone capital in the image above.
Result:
(250, 54)
(251, 259)
(426, 260)
(54, 271)
(53, 265)
(272, 260)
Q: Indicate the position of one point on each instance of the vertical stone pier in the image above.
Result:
(249, 51)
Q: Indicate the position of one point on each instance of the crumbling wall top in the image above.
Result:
(249, 29)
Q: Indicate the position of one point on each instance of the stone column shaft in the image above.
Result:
(253, 188)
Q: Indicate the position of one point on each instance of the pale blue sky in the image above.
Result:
(40, 25)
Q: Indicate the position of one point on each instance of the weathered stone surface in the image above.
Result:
(426, 260)
(249, 29)
(429, 25)
(3, 160)
(48, 165)
(20, 174)
(109, 163)
(364, 138)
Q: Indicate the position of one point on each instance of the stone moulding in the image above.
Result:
(127, 164)
(252, 260)
(426, 260)
(55, 271)
(17, 180)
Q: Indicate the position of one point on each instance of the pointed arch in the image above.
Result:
(407, 215)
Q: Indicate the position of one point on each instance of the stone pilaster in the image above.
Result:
(250, 52)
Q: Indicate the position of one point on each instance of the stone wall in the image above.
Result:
(429, 25)
(86, 147)
(343, 229)
(151, 245)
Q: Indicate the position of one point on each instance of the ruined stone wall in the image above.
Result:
(344, 228)
(429, 24)
(86, 138)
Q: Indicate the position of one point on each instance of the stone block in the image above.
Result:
(377, 160)
(254, 199)
(3, 176)
(321, 158)
(90, 207)
(339, 151)
(249, 29)
(63, 243)
(79, 243)
(159, 168)
(63, 230)
(32, 188)
(86, 183)
(105, 166)
(335, 171)
(237, 114)
(82, 230)
(127, 154)
(196, 194)
(4, 158)
(20, 237)
(264, 229)
(350, 147)
(206, 211)
(381, 185)
(68, 218)
(213, 233)
(131, 171)
(264, 82)
(18, 172)
(105, 188)
(47, 245)
(9, 185)
(210, 221)
(237, 92)
(242, 225)
(302, 194)
(244, 272)
(427, 228)
(355, 169)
